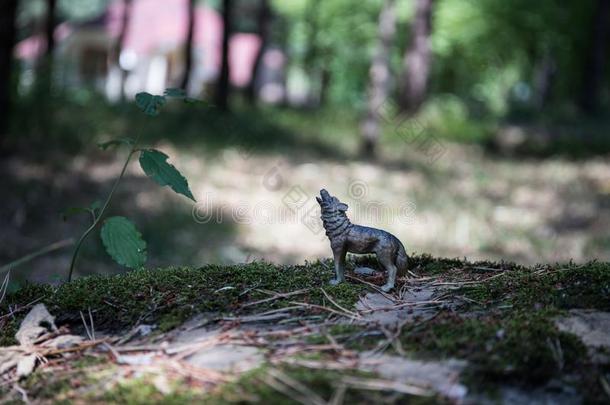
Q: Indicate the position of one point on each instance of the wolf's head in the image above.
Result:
(329, 203)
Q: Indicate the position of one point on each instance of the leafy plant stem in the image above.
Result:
(100, 215)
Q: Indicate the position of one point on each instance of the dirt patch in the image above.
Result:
(592, 328)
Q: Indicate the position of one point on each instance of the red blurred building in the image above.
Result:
(153, 50)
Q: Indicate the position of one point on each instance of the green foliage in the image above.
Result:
(177, 93)
(155, 165)
(115, 142)
(150, 104)
(121, 239)
(123, 242)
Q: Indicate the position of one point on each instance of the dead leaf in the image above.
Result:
(26, 365)
(36, 323)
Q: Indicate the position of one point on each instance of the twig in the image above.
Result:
(80, 347)
(257, 318)
(337, 305)
(31, 256)
(22, 392)
(307, 395)
(373, 286)
(402, 305)
(555, 347)
(605, 385)
(90, 330)
(462, 283)
(338, 396)
(464, 298)
(385, 385)
(4, 286)
(21, 308)
(276, 296)
(306, 305)
(486, 269)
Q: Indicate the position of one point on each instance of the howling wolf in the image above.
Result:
(347, 237)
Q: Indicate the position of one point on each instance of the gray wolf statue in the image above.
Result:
(347, 237)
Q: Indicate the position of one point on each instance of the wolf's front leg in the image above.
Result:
(339, 256)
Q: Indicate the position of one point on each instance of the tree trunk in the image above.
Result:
(264, 26)
(380, 78)
(312, 51)
(8, 13)
(50, 24)
(417, 58)
(45, 64)
(325, 78)
(118, 46)
(222, 88)
(188, 60)
(544, 77)
(595, 58)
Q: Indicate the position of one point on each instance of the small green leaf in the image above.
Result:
(123, 242)
(175, 92)
(151, 105)
(68, 212)
(95, 205)
(155, 165)
(92, 209)
(115, 142)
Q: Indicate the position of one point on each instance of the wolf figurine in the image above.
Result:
(347, 237)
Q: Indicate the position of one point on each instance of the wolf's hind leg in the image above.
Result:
(387, 262)
(339, 256)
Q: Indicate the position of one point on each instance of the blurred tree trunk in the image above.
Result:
(544, 78)
(596, 57)
(50, 23)
(417, 58)
(380, 77)
(263, 28)
(312, 51)
(118, 46)
(188, 60)
(8, 13)
(45, 72)
(325, 78)
(222, 88)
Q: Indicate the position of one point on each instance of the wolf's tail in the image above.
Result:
(402, 260)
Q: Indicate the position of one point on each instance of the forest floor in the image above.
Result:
(466, 200)
(452, 332)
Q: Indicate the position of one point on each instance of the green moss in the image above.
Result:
(61, 384)
(429, 265)
(252, 388)
(561, 287)
(142, 391)
(169, 296)
(517, 347)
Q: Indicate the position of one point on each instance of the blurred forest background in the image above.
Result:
(471, 128)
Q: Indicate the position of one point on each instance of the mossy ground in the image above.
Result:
(169, 296)
(504, 327)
